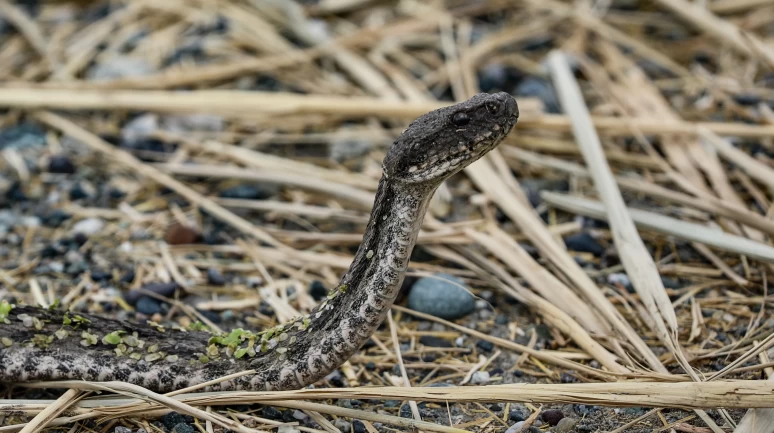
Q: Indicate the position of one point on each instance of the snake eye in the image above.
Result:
(494, 108)
(460, 119)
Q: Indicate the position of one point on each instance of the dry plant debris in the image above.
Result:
(214, 161)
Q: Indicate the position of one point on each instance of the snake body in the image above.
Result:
(39, 344)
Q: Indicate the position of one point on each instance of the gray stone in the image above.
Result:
(480, 378)
(565, 425)
(120, 67)
(515, 427)
(342, 425)
(122, 429)
(442, 295)
(88, 226)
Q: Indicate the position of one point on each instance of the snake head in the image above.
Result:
(442, 142)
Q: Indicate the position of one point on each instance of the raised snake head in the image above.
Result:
(442, 142)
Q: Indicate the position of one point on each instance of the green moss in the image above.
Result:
(5, 309)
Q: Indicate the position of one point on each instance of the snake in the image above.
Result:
(40, 344)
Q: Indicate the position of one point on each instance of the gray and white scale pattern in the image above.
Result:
(433, 147)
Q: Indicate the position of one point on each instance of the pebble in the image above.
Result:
(163, 289)
(480, 378)
(432, 341)
(148, 306)
(215, 278)
(271, 413)
(343, 425)
(542, 89)
(516, 415)
(171, 419)
(619, 279)
(56, 267)
(120, 67)
(299, 415)
(358, 426)
(516, 427)
(139, 129)
(182, 428)
(552, 416)
(585, 243)
(88, 226)
(179, 234)
(22, 136)
(441, 296)
(61, 164)
(317, 290)
(486, 346)
(344, 149)
(55, 218)
(246, 192)
(565, 425)
(122, 429)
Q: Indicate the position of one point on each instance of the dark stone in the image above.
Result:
(61, 164)
(552, 416)
(215, 278)
(55, 218)
(486, 346)
(501, 319)
(16, 193)
(584, 242)
(566, 377)
(148, 306)
(405, 411)
(100, 275)
(516, 415)
(585, 409)
(21, 136)
(271, 413)
(317, 290)
(246, 192)
(212, 316)
(179, 234)
(542, 89)
(162, 289)
(183, 428)
(358, 426)
(496, 371)
(128, 277)
(432, 341)
(518, 373)
(80, 239)
(116, 194)
(391, 403)
(497, 77)
(172, 419)
(370, 366)
(77, 192)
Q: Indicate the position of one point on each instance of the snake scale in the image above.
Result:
(38, 344)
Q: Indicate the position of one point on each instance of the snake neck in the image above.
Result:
(356, 308)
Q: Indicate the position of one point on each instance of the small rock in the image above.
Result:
(61, 164)
(516, 415)
(81, 190)
(148, 306)
(22, 136)
(480, 378)
(56, 267)
(182, 428)
(344, 149)
(585, 243)
(100, 275)
(443, 296)
(271, 413)
(179, 234)
(139, 129)
(542, 89)
(486, 346)
(246, 192)
(501, 319)
(552, 416)
(122, 429)
(565, 425)
(55, 218)
(516, 427)
(215, 278)
(88, 226)
(299, 415)
(432, 341)
(343, 425)
(317, 290)
(171, 419)
(619, 279)
(358, 426)
(120, 67)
